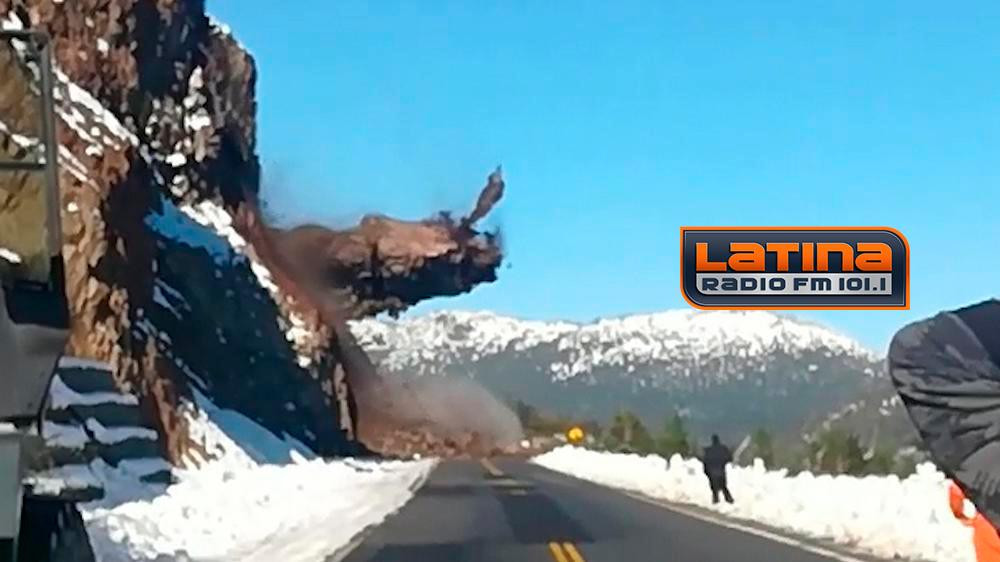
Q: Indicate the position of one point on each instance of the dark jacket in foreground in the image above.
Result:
(947, 372)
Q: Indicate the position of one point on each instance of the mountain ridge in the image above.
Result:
(757, 331)
(728, 371)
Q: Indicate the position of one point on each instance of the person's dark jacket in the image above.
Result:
(715, 459)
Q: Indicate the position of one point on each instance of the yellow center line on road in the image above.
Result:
(491, 468)
(561, 552)
(557, 552)
(565, 552)
(574, 554)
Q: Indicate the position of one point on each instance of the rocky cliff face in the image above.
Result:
(157, 134)
(174, 280)
(387, 265)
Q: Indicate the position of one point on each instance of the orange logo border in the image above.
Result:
(906, 244)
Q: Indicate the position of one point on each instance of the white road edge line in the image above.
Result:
(344, 551)
(725, 522)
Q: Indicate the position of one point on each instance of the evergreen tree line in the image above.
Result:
(832, 451)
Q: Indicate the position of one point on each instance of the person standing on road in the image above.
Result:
(715, 459)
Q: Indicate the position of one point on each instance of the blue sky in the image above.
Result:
(618, 122)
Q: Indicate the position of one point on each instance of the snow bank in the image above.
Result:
(252, 496)
(882, 515)
(303, 511)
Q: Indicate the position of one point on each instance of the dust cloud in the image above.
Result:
(443, 416)
(385, 265)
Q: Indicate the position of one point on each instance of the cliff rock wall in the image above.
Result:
(155, 110)
(174, 280)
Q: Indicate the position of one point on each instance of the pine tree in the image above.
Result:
(675, 438)
(838, 452)
(526, 413)
(854, 456)
(882, 461)
(762, 446)
(628, 434)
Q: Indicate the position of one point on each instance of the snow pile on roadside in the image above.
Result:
(882, 515)
(302, 511)
(253, 497)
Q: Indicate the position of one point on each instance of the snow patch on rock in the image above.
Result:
(62, 396)
(219, 223)
(179, 226)
(229, 438)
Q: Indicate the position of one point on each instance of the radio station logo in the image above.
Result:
(795, 268)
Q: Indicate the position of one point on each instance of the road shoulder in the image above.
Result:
(823, 547)
(344, 551)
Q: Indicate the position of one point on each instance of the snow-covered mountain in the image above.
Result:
(728, 371)
(425, 344)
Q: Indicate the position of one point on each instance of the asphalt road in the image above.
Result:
(515, 511)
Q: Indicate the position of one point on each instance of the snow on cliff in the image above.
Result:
(208, 226)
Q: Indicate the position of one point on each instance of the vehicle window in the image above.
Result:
(24, 251)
